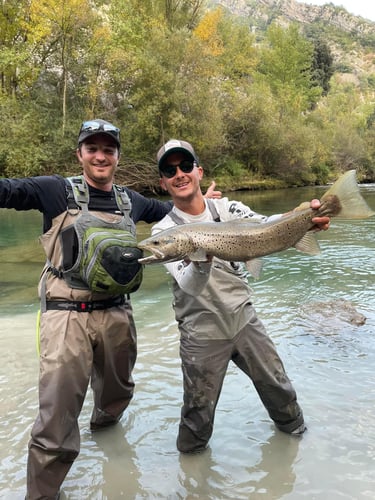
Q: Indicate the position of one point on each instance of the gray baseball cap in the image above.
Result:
(176, 146)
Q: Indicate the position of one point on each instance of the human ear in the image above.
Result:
(162, 184)
(78, 154)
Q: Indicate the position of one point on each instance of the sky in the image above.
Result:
(364, 8)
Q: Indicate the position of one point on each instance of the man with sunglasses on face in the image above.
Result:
(84, 334)
(214, 312)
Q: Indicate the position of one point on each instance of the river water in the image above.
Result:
(301, 300)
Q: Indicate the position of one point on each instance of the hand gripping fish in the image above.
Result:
(241, 240)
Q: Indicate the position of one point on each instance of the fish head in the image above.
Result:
(167, 246)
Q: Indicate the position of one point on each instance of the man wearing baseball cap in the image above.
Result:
(214, 311)
(85, 335)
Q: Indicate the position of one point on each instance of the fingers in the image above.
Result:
(308, 204)
(321, 223)
(211, 193)
(315, 203)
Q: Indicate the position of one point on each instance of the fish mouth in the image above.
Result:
(151, 259)
(156, 256)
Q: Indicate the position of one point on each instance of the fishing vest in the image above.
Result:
(98, 254)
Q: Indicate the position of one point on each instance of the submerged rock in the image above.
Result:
(332, 312)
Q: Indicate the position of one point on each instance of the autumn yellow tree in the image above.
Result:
(59, 29)
(17, 71)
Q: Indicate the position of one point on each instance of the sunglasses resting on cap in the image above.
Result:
(92, 127)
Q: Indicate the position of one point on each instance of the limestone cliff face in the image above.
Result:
(333, 15)
(299, 12)
(350, 38)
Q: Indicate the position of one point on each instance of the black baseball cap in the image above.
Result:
(98, 126)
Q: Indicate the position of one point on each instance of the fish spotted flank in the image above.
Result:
(244, 241)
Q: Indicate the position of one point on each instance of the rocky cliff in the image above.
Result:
(350, 38)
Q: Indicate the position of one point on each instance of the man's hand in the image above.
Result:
(321, 223)
(211, 193)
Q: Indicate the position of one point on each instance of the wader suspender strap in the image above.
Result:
(80, 192)
(211, 206)
(78, 187)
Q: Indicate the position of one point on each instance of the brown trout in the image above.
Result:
(241, 240)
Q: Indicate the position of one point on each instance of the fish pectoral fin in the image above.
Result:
(254, 267)
(199, 255)
(308, 244)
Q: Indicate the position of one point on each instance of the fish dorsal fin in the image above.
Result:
(308, 244)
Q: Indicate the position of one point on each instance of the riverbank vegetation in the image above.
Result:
(266, 109)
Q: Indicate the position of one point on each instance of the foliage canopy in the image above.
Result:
(253, 107)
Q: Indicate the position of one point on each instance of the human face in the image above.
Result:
(99, 157)
(182, 186)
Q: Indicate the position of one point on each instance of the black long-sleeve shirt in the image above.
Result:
(48, 194)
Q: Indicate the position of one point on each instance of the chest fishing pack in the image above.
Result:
(104, 255)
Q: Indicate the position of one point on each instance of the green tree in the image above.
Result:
(182, 13)
(236, 53)
(341, 118)
(17, 70)
(163, 75)
(59, 29)
(322, 66)
(286, 63)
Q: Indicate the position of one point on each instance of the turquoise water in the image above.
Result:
(330, 360)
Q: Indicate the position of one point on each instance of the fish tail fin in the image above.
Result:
(353, 205)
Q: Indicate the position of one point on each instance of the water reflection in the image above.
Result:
(270, 476)
(330, 361)
(111, 456)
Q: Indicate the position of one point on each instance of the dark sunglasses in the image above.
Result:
(93, 126)
(170, 171)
